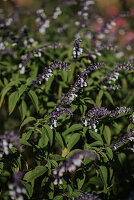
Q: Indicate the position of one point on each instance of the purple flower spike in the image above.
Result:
(79, 84)
(93, 116)
(71, 164)
(48, 71)
(16, 191)
(87, 196)
(124, 139)
(118, 111)
(56, 113)
(7, 141)
(113, 75)
(76, 49)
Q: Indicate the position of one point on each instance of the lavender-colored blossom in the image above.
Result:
(113, 75)
(112, 87)
(87, 196)
(56, 113)
(7, 141)
(118, 111)
(40, 15)
(124, 139)
(16, 191)
(48, 71)
(79, 84)
(76, 49)
(86, 7)
(30, 42)
(71, 164)
(132, 118)
(97, 51)
(131, 148)
(44, 21)
(37, 51)
(93, 116)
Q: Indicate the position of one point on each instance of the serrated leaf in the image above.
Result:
(27, 120)
(122, 158)
(96, 181)
(44, 139)
(49, 83)
(49, 133)
(26, 136)
(34, 99)
(107, 135)
(22, 89)
(59, 139)
(59, 197)
(35, 173)
(103, 174)
(80, 182)
(109, 153)
(96, 136)
(23, 109)
(12, 101)
(74, 127)
(24, 142)
(4, 92)
(56, 157)
(6, 89)
(28, 188)
(104, 156)
(98, 99)
(72, 140)
(97, 143)
(54, 163)
(109, 97)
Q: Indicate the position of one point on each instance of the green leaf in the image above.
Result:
(107, 135)
(95, 181)
(122, 158)
(109, 153)
(56, 157)
(80, 182)
(27, 120)
(109, 97)
(12, 101)
(23, 109)
(1, 167)
(54, 163)
(26, 136)
(6, 89)
(44, 139)
(104, 156)
(49, 83)
(103, 174)
(72, 140)
(34, 99)
(35, 173)
(24, 142)
(28, 188)
(97, 143)
(22, 89)
(96, 136)
(74, 127)
(98, 99)
(59, 197)
(49, 133)
(59, 139)
(4, 92)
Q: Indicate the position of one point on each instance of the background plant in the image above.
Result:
(66, 101)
